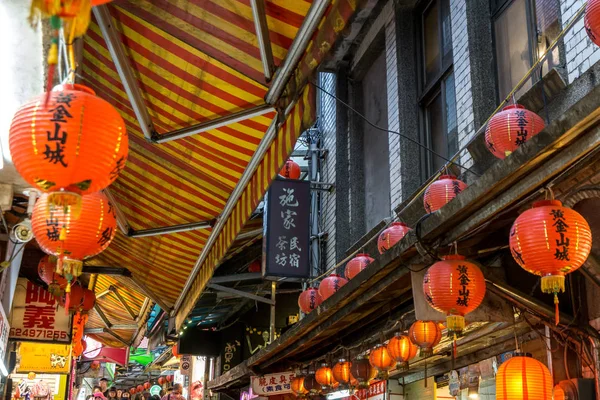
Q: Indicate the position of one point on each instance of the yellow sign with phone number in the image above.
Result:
(44, 358)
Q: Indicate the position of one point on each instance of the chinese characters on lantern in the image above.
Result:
(463, 292)
(287, 229)
(521, 124)
(36, 317)
(560, 227)
(272, 384)
(57, 138)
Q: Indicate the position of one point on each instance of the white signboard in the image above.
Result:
(35, 316)
(4, 331)
(272, 384)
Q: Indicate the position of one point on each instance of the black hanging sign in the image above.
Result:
(286, 240)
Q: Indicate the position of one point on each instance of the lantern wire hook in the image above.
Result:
(549, 193)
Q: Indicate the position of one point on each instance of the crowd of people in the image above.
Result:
(104, 392)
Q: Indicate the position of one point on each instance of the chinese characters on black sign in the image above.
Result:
(286, 244)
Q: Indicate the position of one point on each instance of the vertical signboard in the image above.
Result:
(287, 228)
(35, 318)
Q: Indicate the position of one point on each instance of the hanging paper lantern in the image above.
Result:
(402, 350)
(523, 378)
(510, 128)
(95, 365)
(357, 264)
(381, 360)
(565, 390)
(311, 384)
(309, 300)
(88, 301)
(146, 385)
(550, 241)
(391, 235)
(591, 20)
(455, 287)
(47, 271)
(426, 335)
(132, 391)
(297, 386)
(341, 371)
(175, 351)
(169, 378)
(324, 376)
(330, 285)
(161, 380)
(363, 371)
(441, 192)
(255, 266)
(140, 388)
(71, 240)
(290, 170)
(75, 145)
(73, 300)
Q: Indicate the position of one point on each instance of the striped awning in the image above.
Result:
(196, 62)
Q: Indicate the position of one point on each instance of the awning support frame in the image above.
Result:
(262, 37)
(240, 293)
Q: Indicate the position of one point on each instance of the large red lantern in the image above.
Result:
(441, 192)
(550, 240)
(88, 301)
(402, 350)
(356, 265)
(510, 128)
(76, 144)
(523, 378)
(391, 235)
(330, 285)
(161, 380)
(146, 385)
(341, 371)
(297, 386)
(169, 378)
(455, 287)
(309, 300)
(47, 272)
(73, 300)
(381, 360)
(324, 376)
(363, 371)
(140, 388)
(290, 170)
(311, 385)
(565, 390)
(591, 20)
(59, 234)
(426, 335)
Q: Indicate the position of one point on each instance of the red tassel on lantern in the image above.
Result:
(330, 285)
(592, 20)
(309, 300)
(391, 235)
(510, 128)
(441, 192)
(550, 241)
(357, 264)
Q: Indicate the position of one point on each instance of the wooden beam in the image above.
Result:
(102, 316)
(240, 293)
(123, 302)
(236, 277)
(148, 293)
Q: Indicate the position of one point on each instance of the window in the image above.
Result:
(523, 30)
(437, 95)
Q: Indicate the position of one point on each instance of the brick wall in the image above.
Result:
(462, 77)
(327, 124)
(581, 53)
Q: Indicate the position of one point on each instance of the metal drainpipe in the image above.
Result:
(522, 300)
(314, 208)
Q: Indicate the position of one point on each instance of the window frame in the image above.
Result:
(427, 91)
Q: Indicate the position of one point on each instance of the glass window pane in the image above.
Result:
(451, 128)
(437, 133)
(548, 28)
(431, 42)
(446, 32)
(513, 57)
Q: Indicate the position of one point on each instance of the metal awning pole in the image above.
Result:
(262, 37)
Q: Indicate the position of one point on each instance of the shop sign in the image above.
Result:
(155, 390)
(35, 316)
(272, 384)
(4, 332)
(376, 391)
(185, 365)
(45, 358)
(286, 241)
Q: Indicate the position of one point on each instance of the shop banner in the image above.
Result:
(185, 365)
(44, 358)
(287, 239)
(35, 318)
(272, 384)
(376, 391)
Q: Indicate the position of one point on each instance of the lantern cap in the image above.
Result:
(442, 177)
(454, 257)
(545, 203)
(334, 276)
(399, 223)
(73, 86)
(324, 364)
(521, 354)
(341, 360)
(513, 107)
(362, 255)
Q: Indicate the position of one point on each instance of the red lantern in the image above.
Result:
(255, 266)
(76, 144)
(309, 300)
(455, 287)
(330, 285)
(290, 170)
(426, 335)
(169, 378)
(381, 360)
(565, 390)
(523, 378)
(441, 192)
(550, 240)
(146, 385)
(74, 297)
(510, 128)
(341, 371)
(391, 235)
(357, 264)
(297, 386)
(311, 385)
(402, 350)
(56, 283)
(132, 391)
(161, 380)
(95, 365)
(175, 350)
(324, 376)
(591, 20)
(362, 371)
(140, 388)
(71, 240)
(88, 301)
(99, 2)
